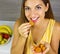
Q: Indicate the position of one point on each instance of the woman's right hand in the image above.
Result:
(24, 29)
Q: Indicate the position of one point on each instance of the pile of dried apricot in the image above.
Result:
(39, 48)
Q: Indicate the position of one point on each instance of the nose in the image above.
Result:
(33, 14)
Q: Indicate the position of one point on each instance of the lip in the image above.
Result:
(34, 19)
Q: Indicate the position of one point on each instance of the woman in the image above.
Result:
(45, 30)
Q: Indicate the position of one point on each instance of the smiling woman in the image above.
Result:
(45, 30)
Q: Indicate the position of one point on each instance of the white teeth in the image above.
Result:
(34, 18)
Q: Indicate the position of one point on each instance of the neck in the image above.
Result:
(39, 29)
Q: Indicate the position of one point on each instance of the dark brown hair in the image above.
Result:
(48, 14)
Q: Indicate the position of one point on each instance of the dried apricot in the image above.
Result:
(37, 49)
(32, 23)
(41, 45)
(43, 48)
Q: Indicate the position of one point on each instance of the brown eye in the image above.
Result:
(38, 7)
(27, 8)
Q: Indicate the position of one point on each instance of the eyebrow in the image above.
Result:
(26, 6)
(39, 5)
(36, 5)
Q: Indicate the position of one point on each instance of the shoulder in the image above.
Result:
(56, 30)
(57, 26)
(55, 36)
(18, 22)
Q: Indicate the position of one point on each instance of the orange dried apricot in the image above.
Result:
(43, 48)
(39, 48)
(41, 45)
(31, 22)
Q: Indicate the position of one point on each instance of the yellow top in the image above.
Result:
(46, 37)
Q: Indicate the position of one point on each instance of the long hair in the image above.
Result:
(48, 14)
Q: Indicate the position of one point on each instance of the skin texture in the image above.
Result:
(35, 11)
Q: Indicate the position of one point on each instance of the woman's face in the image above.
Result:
(35, 10)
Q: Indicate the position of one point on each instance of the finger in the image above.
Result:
(32, 47)
(24, 30)
(47, 45)
(36, 52)
(26, 33)
(26, 27)
(21, 31)
(46, 51)
(24, 24)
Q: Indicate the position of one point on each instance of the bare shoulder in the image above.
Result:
(55, 36)
(18, 22)
(57, 26)
(57, 29)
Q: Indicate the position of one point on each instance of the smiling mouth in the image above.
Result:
(34, 19)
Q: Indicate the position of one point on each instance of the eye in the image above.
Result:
(38, 7)
(27, 8)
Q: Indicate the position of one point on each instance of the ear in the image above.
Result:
(47, 7)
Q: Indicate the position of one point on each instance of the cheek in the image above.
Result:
(42, 13)
(27, 14)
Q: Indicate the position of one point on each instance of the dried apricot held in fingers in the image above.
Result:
(32, 23)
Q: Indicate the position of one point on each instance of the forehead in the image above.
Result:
(33, 2)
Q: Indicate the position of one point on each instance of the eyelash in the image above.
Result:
(27, 8)
(38, 7)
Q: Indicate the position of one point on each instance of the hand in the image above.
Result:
(47, 48)
(24, 29)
